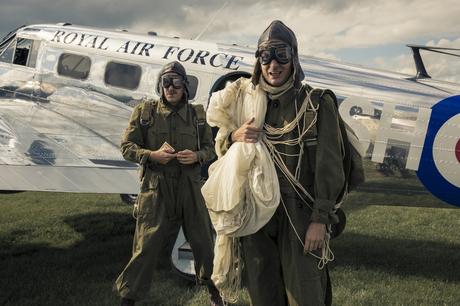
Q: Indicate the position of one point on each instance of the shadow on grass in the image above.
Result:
(393, 187)
(392, 191)
(83, 272)
(402, 257)
(80, 274)
(363, 198)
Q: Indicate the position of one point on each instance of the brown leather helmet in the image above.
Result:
(174, 67)
(278, 31)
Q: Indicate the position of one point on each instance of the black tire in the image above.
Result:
(10, 191)
(128, 199)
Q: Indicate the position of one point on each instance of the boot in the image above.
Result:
(127, 302)
(214, 296)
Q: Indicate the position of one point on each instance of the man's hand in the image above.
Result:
(187, 157)
(314, 238)
(162, 156)
(247, 132)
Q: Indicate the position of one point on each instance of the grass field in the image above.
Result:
(67, 249)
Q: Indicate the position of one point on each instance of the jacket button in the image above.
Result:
(276, 104)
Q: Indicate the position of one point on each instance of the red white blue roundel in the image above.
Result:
(439, 168)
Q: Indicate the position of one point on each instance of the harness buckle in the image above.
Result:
(144, 122)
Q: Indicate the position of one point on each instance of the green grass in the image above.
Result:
(67, 249)
(400, 246)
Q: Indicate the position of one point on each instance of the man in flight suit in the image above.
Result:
(278, 269)
(170, 142)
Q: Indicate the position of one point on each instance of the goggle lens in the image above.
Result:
(281, 54)
(176, 83)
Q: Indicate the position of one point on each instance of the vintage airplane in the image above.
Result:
(67, 93)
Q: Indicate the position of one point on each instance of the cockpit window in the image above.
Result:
(74, 66)
(7, 54)
(25, 53)
(122, 75)
(21, 55)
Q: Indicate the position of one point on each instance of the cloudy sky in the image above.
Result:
(370, 33)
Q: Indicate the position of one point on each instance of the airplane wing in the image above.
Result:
(378, 85)
(70, 144)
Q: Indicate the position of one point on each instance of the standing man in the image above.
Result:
(170, 139)
(284, 260)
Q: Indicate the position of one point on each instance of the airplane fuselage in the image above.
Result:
(68, 92)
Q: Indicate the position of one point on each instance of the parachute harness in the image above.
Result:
(272, 138)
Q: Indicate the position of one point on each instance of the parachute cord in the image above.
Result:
(326, 252)
(299, 143)
(230, 291)
(276, 133)
(271, 138)
(279, 162)
(298, 169)
(135, 209)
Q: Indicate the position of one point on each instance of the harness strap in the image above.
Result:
(199, 116)
(146, 112)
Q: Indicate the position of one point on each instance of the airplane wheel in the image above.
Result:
(128, 199)
(356, 110)
(182, 258)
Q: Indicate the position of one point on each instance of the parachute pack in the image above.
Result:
(352, 161)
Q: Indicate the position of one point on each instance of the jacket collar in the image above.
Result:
(167, 110)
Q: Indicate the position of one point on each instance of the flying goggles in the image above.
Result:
(176, 82)
(282, 54)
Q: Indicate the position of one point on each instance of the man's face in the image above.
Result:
(274, 72)
(173, 87)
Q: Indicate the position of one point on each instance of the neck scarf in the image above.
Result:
(276, 92)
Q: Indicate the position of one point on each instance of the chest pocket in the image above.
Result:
(187, 138)
(159, 133)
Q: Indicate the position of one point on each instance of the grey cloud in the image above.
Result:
(327, 6)
(114, 14)
(171, 14)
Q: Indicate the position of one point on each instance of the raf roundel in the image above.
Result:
(445, 150)
(457, 151)
(439, 168)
